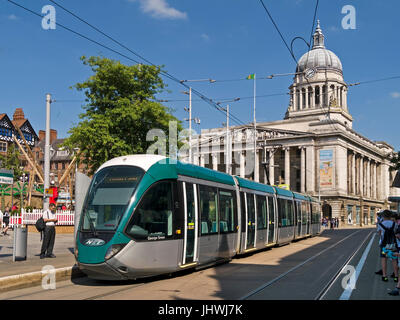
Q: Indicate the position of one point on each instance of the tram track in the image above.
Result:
(327, 287)
(89, 290)
(291, 270)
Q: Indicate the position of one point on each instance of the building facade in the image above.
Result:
(314, 149)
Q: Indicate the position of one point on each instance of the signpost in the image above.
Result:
(6, 176)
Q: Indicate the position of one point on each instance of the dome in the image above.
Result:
(319, 57)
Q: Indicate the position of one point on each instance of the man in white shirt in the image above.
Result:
(50, 218)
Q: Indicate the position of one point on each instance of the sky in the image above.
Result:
(208, 39)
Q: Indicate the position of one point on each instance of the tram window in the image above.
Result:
(285, 212)
(190, 204)
(290, 212)
(226, 211)
(261, 212)
(304, 212)
(243, 211)
(208, 209)
(315, 213)
(271, 209)
(109, 194)
(152, 219)
(251, 212)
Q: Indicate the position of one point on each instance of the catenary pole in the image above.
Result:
(47, 153)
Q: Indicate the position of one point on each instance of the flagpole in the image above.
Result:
(255, 130)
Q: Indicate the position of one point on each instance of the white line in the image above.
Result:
(349, 289)
(294, 268)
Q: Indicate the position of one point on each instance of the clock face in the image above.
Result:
(309, 73)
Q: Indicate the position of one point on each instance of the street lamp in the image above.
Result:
(21, 186)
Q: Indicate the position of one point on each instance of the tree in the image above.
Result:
(395, 159)
(119, 111)
(11, 161)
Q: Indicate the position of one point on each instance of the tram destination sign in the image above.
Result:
(6, 176)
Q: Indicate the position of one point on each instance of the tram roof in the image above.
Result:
(244, 183)
(283, 192)
(191, 170)
(300, 196)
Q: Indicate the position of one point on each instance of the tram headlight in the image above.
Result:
(113, 250)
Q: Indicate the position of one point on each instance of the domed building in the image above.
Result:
(318, 88)
(314, 149)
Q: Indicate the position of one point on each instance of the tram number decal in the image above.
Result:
(94, 242)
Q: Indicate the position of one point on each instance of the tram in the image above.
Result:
(146, 215)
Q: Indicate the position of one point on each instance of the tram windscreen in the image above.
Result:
(109, 195)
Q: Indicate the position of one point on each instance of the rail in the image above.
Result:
(64, 217)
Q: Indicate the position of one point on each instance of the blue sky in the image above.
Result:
(222, 40)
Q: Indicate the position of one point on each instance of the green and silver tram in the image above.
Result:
(146, 215)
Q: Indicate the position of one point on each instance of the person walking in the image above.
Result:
(6, 220)
(50, 219)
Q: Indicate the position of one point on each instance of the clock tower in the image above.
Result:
(318, 89)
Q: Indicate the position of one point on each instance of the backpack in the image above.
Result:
(40, 224)
(389, 238)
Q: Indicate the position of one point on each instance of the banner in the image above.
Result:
(326, 168)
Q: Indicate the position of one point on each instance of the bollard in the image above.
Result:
(20, 243)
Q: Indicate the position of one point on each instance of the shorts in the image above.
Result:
(6, 222)
(383, 255)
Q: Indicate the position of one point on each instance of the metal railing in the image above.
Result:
(64, 217)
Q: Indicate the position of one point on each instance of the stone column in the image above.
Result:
(242, 164)
(353, 173)
(341, 172)
(302, 170)
(310, 169)
(287, 166)
(271, 166)
(385, 181)
(202, 162)
(361, 176)
(374, 181)
(257, 166)
(369, 178)
(307, 98)
(214, 161)
(294, 99)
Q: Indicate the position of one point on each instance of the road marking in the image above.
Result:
(294, 268)
(349, 289)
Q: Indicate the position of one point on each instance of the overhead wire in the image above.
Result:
(166, 74)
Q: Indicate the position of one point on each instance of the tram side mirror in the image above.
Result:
(138, 232)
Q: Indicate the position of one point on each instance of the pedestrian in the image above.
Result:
(386, 231)
(395, 291)
(6, 220)
(50, 219)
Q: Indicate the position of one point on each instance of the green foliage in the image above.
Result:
(11, 161)
(396, 160)
(119, 112)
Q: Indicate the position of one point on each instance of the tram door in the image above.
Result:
(271, 220)
(191, 218)
(251, 221)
